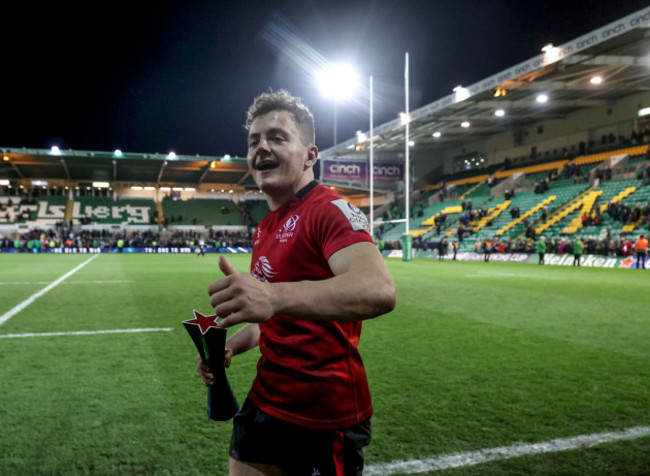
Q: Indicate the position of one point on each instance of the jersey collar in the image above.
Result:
(302, 193)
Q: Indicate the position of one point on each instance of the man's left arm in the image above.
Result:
(361, 288)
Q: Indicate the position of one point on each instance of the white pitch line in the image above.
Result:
(470, 458)
(17, 283)
(86, 333)
(12, 312)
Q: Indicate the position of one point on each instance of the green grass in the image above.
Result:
(476, 355)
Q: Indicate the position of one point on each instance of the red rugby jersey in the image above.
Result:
(310, 372)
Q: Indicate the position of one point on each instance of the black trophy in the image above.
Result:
(210, 341)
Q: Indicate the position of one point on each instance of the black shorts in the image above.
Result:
(260, 438)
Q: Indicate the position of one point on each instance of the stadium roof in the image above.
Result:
(619, 53)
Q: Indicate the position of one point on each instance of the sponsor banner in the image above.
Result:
(353, 170)
(347, 170)
(126, 249)
(550, 259)
(388, 172)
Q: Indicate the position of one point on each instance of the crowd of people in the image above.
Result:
(62, 236)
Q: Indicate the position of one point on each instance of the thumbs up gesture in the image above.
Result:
(239, 297)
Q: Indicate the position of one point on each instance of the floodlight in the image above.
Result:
(117, 153)
(542, 98)
(437, 134)
(100, 184)
(337, 81)
(55, 150)
(499, 113)
(361, 137)
(465, 124)
(461, 94)
(4, 182)
(596, 80)
(171, 155)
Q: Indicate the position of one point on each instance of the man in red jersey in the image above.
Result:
(315, 275)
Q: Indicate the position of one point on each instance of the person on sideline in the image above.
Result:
(315, 275)
(641, 248)
(541, 249)
(578, 248)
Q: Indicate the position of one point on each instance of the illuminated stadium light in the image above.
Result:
(404, 118)
(411, 143)
(437, 134)
(177, 189)
(55, 150)
(337, 81)
(136, 187)
(101, 184)
(644, 111)
(542, 99)
(465, 124)
(117, 153)
(165, 189)
(39, 183)
(499, 113)
(150, 188)
(596, 80)
(551, 53)
(190, 189)
(171, 155)
(361, 137)
(226, 158)
(5, 158)
(4, 182)
(461, 94)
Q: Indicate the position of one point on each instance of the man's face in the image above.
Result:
(281, 164)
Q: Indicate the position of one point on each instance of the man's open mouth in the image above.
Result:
(267, 166)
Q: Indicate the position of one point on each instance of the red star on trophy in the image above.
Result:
(210, 341)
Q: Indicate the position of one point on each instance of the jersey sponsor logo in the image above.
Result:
(263, 271)
(286, 231)
(357, 219)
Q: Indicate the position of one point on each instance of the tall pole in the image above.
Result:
(372, 164)
(406, 135)
(335, 125)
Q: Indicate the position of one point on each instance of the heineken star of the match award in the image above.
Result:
(210, 341)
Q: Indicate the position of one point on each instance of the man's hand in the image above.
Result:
(207, 377)
(240, 297)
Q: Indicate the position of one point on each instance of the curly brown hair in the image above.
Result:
(283, 100)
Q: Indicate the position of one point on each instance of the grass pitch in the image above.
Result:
(476, 355)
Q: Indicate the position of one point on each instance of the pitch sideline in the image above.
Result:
(86, 333)
(12, 312)
(471, 458)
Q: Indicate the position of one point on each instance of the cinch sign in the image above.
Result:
(344, 170)
(354, 170)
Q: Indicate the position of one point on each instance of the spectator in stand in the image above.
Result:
(578, 248)
(626, 247)
(541, 249)
(641, 248)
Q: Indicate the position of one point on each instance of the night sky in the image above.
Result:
(180, 75)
